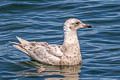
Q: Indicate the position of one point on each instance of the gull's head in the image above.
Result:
(74, 24)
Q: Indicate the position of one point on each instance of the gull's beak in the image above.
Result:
(86, 25)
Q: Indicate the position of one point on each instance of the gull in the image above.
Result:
(66, 54)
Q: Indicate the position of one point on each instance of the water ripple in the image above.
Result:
(42, 20)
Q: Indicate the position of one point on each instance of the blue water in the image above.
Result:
(42, 20)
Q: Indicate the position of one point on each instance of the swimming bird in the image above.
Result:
(66, 54)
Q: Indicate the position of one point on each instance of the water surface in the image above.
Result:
(42, 20)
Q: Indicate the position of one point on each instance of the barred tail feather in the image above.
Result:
(20, 47)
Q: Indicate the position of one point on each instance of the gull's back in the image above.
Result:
(41, 51)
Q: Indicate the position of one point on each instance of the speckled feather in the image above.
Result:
(66, 54)
(41, 51)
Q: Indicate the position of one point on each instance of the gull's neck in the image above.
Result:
(70, 38)
(71, 47)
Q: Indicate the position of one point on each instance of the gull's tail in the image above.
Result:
(21, 45)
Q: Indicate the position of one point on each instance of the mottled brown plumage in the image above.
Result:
(66, 54)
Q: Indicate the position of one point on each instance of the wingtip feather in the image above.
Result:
(22, 41)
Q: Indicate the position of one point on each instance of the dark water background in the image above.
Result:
(42, 20)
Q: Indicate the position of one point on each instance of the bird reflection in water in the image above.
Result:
(51, 72)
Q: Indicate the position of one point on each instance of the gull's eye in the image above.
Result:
(77, 23)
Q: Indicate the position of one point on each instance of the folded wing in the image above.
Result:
(41, 51)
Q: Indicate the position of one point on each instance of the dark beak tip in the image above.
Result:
(89, 26)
